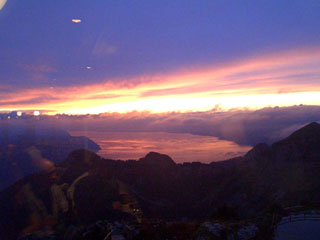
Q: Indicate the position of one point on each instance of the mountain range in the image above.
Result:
(85, 188)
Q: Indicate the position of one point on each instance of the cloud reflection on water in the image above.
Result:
(181, 147)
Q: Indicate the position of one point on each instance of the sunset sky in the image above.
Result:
(83, 56)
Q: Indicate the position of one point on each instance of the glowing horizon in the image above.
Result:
(276, 79)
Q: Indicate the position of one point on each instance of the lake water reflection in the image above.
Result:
(180, 146)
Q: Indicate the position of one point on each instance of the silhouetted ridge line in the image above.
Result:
(157, 159)
(86, 188)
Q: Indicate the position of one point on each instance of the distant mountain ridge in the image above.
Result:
(85, 187)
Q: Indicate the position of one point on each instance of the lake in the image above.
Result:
(181, 147)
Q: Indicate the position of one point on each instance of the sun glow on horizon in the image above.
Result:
(283, 79)
(180, 104)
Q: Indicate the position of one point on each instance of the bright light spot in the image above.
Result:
(89, 67)
(74, 20)
(2, 3)
(19, 114)
(36, 113)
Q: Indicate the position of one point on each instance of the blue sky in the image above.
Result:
(41, 47)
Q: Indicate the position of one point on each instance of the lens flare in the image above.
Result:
(2, 3)
(75, 20)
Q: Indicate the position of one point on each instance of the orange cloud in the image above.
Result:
(281, 79)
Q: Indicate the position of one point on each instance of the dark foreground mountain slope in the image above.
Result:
(85, 188)
(26, 149)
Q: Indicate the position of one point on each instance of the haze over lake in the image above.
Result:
(181, 147)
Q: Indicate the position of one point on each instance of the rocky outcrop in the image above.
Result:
(157, 160)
